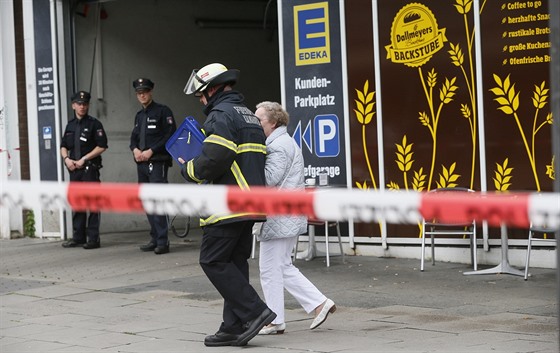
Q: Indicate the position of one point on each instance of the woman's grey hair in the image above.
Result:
(275, 113)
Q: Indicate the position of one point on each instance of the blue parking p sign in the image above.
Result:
(326, 135)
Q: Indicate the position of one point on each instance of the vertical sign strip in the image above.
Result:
(45, 89)
(281, 52)
(314, 87)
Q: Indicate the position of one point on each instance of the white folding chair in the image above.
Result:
(434, 228)
(545, 236)
(327, 224)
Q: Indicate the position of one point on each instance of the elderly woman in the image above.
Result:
(278, 235)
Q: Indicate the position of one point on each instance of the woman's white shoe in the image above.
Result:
(273, 329)
(328, 307)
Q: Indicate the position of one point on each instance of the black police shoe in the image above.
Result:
(148, 247)
(253, 327)
(92, 245)
(220, 339)
(161, 249)
(72, 244)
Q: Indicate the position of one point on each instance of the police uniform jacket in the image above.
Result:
(160, 125)
(233, 152)
(92, 135)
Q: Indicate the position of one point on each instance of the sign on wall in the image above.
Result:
(48, 144)
(435, 131)
(430, 89)
(313, 85)
(516, 78)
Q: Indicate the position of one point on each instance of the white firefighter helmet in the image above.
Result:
(209, 76)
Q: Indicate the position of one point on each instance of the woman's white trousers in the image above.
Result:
(277, 272)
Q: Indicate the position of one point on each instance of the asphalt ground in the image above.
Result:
(119, 299)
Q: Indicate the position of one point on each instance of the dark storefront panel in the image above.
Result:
(314, 86)
(430, 117)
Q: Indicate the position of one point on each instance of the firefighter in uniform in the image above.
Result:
(83, 142)
(153, 126)
(233, 153)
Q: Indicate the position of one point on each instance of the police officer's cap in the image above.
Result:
(81, 97)
(143, 84)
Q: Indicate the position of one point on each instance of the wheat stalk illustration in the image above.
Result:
(431, 120)
(419, 180)
(363, 186)
(404, 158)
(457, 58)
(540, 95)
(502, 176)
(550, 169)
(463, 7)
(448, 177)
(508, 101)
(364, 113)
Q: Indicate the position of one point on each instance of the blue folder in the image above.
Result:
(187, 141)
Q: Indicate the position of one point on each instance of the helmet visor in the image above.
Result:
(194, 84)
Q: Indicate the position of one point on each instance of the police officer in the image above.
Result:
(153, 126)
(83, 142)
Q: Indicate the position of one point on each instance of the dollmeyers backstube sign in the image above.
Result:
(415, 36)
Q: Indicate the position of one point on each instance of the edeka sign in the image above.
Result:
(314, 93)
(311, 34)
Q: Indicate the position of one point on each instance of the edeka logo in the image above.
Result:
(311, 32)
(415, 36)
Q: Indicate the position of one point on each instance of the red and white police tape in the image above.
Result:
(514, 209)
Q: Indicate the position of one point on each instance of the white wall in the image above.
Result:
(160, 40)
(10, 219)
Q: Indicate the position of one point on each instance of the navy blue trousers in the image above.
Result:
(224, 252)
(85, 227)
(155, 172)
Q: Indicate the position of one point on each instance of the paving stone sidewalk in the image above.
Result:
(119, 299)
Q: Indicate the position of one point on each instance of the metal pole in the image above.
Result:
(379, 112)
(554, 9)
(480, 92)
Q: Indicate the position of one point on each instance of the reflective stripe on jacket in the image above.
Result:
(233, 152)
